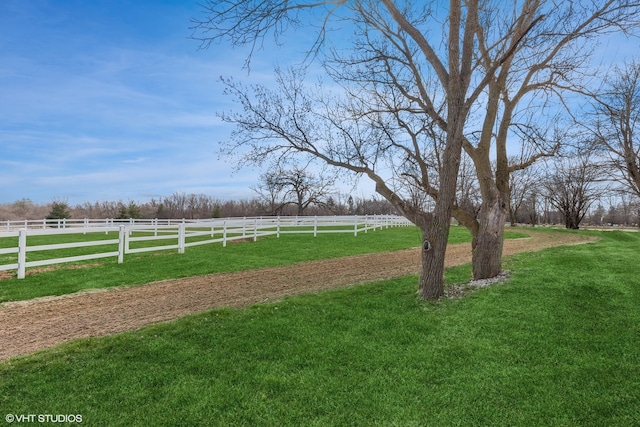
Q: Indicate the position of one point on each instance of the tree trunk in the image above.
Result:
(571, 223)
(487, 243)
(435, 233)
(434, 246)
(300, 205)
(513, 217)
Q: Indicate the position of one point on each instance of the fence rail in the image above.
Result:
(146, 235)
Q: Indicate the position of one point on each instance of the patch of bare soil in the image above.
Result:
(27, 326)
(8, 275)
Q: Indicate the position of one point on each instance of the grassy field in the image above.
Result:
(199, 260)
(558, 344)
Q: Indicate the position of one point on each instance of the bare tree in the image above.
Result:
(523, 189)
(183, 205)
(617, 124)
(468, 196)
(573, 186)
(374, 206)
(270, 192)
(296, 186)
(22, 208)
(288, 120)
(480, 73)
(531, 206)
(104, 209)
(598, 215)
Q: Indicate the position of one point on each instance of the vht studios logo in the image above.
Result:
(43, 418)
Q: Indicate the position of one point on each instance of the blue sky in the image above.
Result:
(111, 100)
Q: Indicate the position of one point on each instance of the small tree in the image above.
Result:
(130, 211)
(59, 210)
(133, 210)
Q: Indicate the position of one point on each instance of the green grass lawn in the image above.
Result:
(199, 260)
(558, 344)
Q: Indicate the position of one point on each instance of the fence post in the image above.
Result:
(22, 253)
(278, 228)
(255, 229)
(224, 233)
(181, 237)
(355, 225)
(315, 226)
(122, 234)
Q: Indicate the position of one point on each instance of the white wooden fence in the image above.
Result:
(180, 234)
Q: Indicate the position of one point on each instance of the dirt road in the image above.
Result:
(27, 326)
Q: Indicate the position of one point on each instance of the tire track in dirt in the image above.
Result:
(27, 326)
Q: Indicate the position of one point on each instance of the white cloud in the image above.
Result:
(114, 107)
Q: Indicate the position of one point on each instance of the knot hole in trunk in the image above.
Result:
(426, 246)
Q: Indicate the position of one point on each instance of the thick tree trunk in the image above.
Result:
(571, 222)
(487, 243)
(434, 246)
(435, 233)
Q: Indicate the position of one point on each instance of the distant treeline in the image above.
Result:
(530, 210)
(189, 206)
